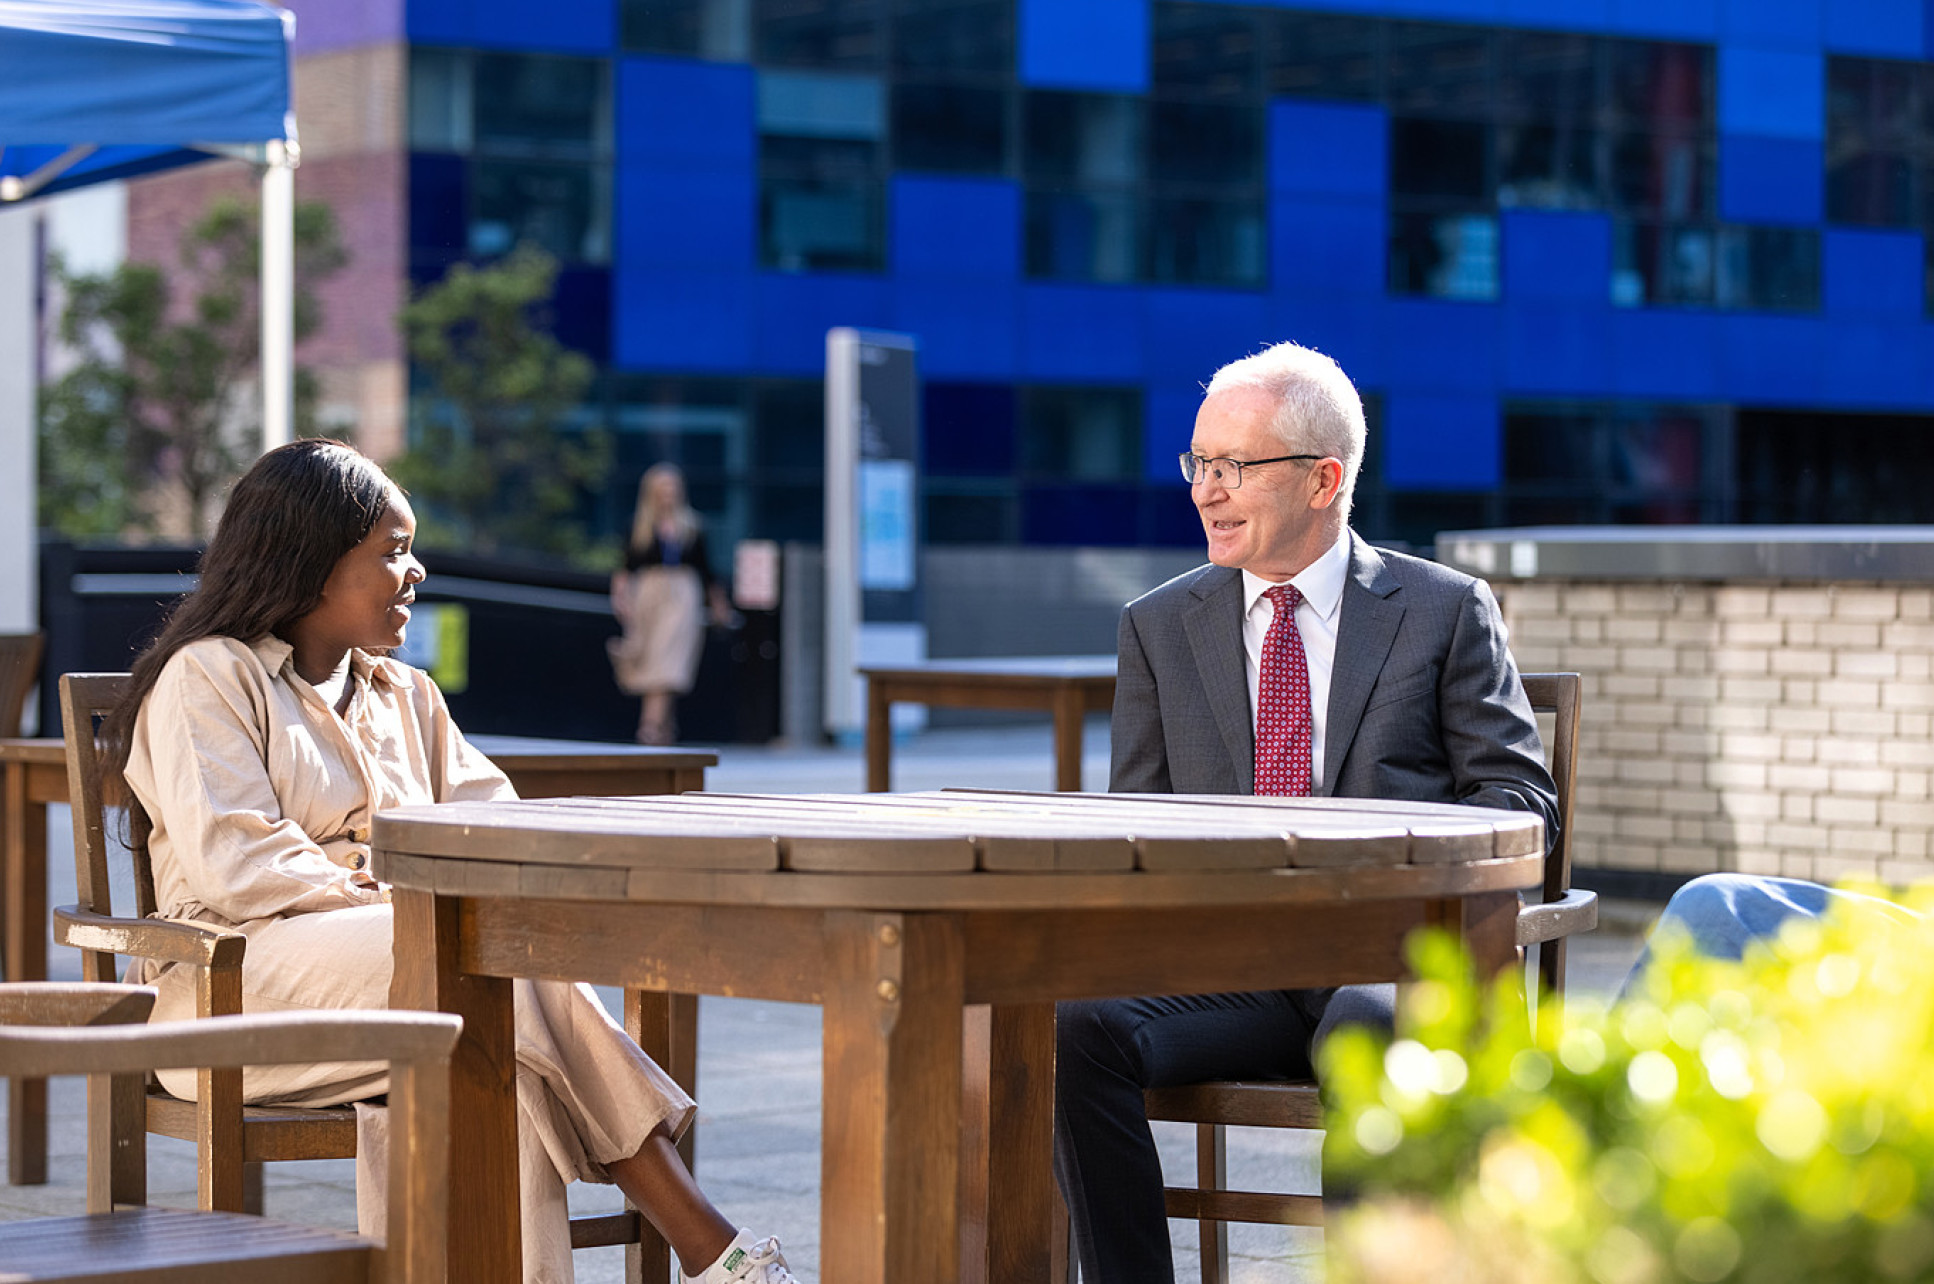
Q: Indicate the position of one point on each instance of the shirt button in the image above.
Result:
(360, 834)
(358, 861)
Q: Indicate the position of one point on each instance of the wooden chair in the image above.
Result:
(137, 1242)
(1213, 1107)
(19, 671)
(233, 1140)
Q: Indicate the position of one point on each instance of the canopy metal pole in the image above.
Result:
(278, 296)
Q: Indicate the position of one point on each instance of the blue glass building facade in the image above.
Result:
(1589, 260)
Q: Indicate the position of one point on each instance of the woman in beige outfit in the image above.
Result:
(262, 732)
(662, 598)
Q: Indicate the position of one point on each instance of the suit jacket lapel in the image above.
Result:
(1214, 626)
(1371, 613)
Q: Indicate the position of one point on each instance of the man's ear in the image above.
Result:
(1326, 481)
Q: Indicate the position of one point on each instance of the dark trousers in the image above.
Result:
(1109, 1050)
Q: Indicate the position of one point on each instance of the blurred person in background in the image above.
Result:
(661, 597)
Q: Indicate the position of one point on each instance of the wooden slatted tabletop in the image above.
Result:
(899, 913)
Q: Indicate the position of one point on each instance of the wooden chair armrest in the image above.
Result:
(282, 1038)
(1577, 912)
(71, 1003)
(170, 941)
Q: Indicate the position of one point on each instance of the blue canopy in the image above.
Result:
(119, 87)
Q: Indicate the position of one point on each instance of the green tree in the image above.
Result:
(489, 465)
(161, 409)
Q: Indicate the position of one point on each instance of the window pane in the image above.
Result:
(791, 419)
(1548, 167)
(809, 226)
(702, 28)
(1654, 84)
(1835, 468)
(1440, 159)
(563, 209)
(1662, 264)
(817, 33)
(1084, 138)
(1083, 236)
(1081, 434)
(1450, 256)
(1079, 515)
(1870, 188)
(1769, 268)
(1870, 102)
(1204, 143)
(968, 429)
(1321, 56)
(1204, 51)
(954, 35)
(1658, 452)
(537, 100)
(1665, 175)
(1548, 76)
(805, 104)
(976, 518)
(838, 159)
(1432, 68)
(440, 100)
(1204, 242)
(1555, 445)
(950, 127)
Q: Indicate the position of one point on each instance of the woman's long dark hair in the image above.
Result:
(289, 520)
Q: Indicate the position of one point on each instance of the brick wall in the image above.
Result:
(1771, 728)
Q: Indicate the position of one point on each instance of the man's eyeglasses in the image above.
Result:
(1227, 472)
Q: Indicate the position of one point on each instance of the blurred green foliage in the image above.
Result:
(491, 467)
(1770, 1120)
(160, 408)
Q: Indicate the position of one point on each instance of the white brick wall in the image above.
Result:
(1783, 729)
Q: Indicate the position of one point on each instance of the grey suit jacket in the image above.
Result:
(1425, 701)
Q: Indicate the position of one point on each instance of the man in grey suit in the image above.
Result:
(1399, 686)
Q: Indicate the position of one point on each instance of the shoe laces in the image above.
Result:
(765, 1264)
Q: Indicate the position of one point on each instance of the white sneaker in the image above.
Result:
(745, 1261)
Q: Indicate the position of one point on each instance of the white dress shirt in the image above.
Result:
(1321, 584)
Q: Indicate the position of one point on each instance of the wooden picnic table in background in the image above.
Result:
(902, 915)
(33, 774)
(1068, 686)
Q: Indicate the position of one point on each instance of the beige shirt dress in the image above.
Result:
(261, 798)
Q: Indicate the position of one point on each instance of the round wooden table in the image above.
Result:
(898, 914)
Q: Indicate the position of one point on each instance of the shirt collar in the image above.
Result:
(1320, 583)
(275, 653)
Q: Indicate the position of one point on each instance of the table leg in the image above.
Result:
(1020, 1168)
(890, 1161)
(879, 738)
(1068, 714)
(1488, 926)
(23, 871)
(484, 1235)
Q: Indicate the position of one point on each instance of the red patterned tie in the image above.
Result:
(1282, 704)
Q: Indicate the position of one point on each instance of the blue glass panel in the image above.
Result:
(1684, 19)
(439, 202)
(586, 26)
(675, 217)
(1557, 256)
(1557, 348)
(671, 321)
(1880, 273)
(1169, 520)
(1563, 15)
(1348, 328)
(581, 311)
(1665, 353)
(968, 429)
(1768, 359)
(692, 113)
(1193, 332)
(1764, 180)
(1167, 424)
(1775, 24)
(1772, 93)
(794, 312)
(956, 227)
(1085, 44)
(966, 329)
(1867, 364)
(1440, 441)
(1083, 515)
(1890, 28)
(1441, 346)
(1321, 244)
(1075, 332)
(1328, 148)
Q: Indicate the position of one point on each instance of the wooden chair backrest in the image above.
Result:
(84, 699)
(19, 671)
(1559, 694)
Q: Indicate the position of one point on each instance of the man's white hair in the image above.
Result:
(1318, 410)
